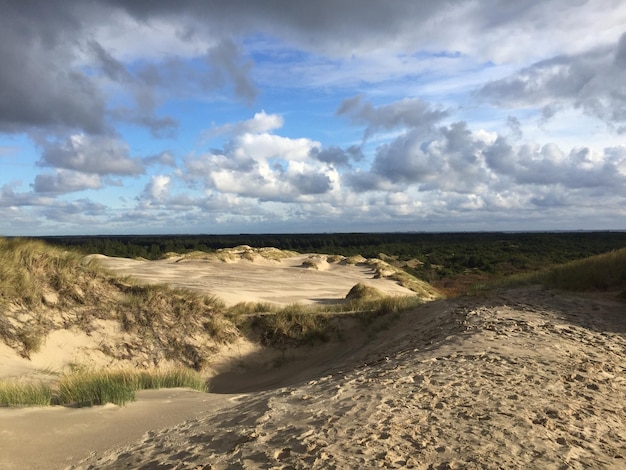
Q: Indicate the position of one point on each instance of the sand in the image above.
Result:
(282, 281)
(525, 378)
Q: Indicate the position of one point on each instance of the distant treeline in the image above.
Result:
(442, 255)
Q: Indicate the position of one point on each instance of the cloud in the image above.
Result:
(408, 113)
(472, 170)
(229, 67)
(158, 187)
(163, 158)
(255, 163)
(337, 156)
(65, 181)
(260, 123)
(91, 154)
(39, 85)
(591, 81)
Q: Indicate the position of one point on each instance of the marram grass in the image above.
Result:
(89, 388)
(25, 394)
(602, 272)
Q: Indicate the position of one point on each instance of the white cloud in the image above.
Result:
(158, 187)
(260, 123)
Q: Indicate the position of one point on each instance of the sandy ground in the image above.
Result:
(521, 379)
(282, 281)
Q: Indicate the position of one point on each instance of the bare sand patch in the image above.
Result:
(305, 279)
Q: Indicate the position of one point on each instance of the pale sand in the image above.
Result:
(282, 281)
(523, 379)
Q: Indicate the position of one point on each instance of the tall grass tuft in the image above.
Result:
(292, 326)
(119, 386)
(25, 394)
(89, 388)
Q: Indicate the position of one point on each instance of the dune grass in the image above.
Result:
(25, 394)
(89, 388)
(596, 273)
(298, 325)
(41, 284)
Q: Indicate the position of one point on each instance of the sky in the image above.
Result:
(289, 116)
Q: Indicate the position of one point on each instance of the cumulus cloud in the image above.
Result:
(86, 82)
(91, 154)
(158, 187)
(256, 163)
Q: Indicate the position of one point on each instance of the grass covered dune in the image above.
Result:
(143, 335)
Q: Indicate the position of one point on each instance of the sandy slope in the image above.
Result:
(524, 379)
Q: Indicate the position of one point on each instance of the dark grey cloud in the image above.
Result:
(229, 67)
(109, 65)
(38, 42)
(409, 113)
(65, 181)
(313, 183)
(91, 154)
(337, 156)
(52, 71)
(592, 81)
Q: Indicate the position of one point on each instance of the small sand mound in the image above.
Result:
(318, 262)
(362, 291)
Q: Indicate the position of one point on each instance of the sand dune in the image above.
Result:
(306, 279)
(523, 379)
(526, 378)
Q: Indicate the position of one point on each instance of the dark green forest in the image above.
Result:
(445, 259)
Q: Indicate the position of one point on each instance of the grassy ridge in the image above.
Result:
(601, 272)
(605, 272)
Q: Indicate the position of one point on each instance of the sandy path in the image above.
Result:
(44, 438)
(284, 281)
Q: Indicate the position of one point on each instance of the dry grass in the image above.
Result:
(292, 326)
(43, 288)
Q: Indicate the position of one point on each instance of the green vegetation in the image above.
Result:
(101, 387)
(596, 273)
(449, 261)
(24, 394)
(97, 388)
